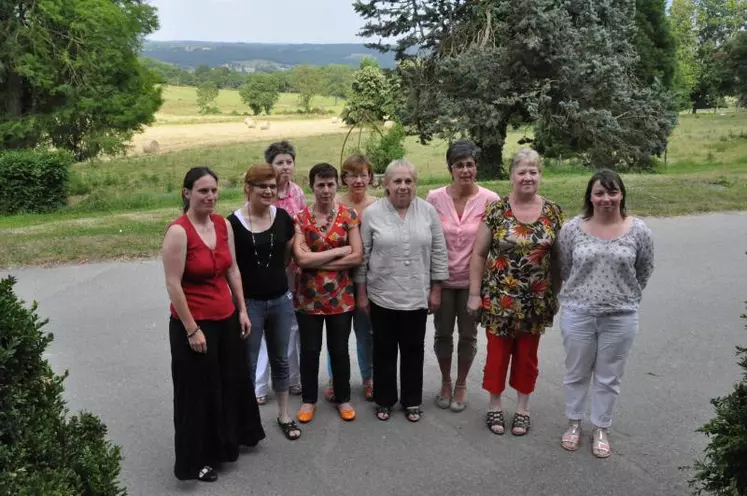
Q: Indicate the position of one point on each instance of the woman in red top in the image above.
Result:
(215, 410)
(326, 246)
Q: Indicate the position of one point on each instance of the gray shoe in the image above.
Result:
(442, 401)
(456, 406)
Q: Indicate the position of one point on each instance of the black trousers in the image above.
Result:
(215, 410)
(403, 331)
(338, 333)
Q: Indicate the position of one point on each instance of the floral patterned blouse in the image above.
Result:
(516, 291)
(325, 292)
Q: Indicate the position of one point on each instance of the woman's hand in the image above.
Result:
(361, 302)
(246, 325)
(434, 299)
(344, 251)
(197, 342)
(474, 304)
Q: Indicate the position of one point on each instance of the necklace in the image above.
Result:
(330, 218)
(254, 240)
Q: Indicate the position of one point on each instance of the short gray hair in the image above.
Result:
(526, 155)
(400, 163)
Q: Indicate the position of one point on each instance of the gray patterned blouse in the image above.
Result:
(604, 276)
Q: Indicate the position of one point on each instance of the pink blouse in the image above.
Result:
(460, 234)
(294, 202)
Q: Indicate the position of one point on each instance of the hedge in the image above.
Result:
(33, 181)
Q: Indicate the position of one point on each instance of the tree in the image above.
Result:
(371, 97)
(723, 470)
(654, 43)
(476, 68)
(682, 22)
(307, 80)
(70, 75)
(338, 81)
(42, 450)
(736, 66)
(207, 92)
(260, 92)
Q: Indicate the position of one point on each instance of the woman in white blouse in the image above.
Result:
(399, 283)
(607, 258)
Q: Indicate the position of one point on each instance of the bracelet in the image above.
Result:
(190, 334)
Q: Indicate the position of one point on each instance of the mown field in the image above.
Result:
(119, 208)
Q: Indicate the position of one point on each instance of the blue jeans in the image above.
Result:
(273, 319)
(364, 343)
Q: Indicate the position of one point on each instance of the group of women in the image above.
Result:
(278, 271)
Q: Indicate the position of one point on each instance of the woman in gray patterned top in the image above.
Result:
(607, 258)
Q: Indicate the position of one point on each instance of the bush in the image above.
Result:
(41, 450)
(382, 149)
(33, 181)
(723, 470)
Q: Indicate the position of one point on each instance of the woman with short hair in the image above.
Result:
(263, 235)
(607, 258)
(513, 276)
(399, 283)
(326, 246)
(460, 207)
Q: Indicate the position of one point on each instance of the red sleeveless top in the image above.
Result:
(204, 281)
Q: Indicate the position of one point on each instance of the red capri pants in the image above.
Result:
(521, 351)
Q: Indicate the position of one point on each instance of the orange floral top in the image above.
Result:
(517, 294)
(325, 292)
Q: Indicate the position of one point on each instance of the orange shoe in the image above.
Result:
(346, 414)
(306, 417)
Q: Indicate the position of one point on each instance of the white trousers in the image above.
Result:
(262, 381)
(595, 347)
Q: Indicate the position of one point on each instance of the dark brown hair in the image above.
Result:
(609, 180)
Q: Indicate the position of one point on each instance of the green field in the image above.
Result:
(119, 208)
(180, 106)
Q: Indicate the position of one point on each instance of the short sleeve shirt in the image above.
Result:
(326, 292)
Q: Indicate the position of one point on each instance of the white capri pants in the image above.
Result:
(598, 347)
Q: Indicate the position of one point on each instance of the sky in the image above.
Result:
(258, 21)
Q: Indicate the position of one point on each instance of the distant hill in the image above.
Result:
(251, 57)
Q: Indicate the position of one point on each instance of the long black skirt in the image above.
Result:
(215, 410)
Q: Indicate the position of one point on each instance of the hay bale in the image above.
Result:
(250, 123)
(388, 124)
(335, 120)
(265, 125)
(151, 146)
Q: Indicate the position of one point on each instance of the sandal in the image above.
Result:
(295, 390)
(571, 439)
(600, 443)
(493, 419)
(458, 406)
(207, 474)
(306, 417)
(521, 421)
(261, 400)
(288, 428)
(413, 413)
(346, 414)
(443, 401)
(383, 412)
(368, 390)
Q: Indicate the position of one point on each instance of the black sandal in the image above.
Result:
(383, 413)
(495, 419)
(413, 413)
(207, 474)
(521, 421)
(289, 427)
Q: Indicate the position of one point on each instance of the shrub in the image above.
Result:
(382, 149)
(33, 181)
(41, 450)
(723, 470)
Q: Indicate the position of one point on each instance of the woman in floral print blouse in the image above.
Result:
(326, 246)
(513, 278)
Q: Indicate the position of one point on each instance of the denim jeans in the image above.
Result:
(364, 344)
(273, 320)
(596, 347)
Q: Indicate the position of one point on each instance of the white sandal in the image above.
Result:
(600, 445)
(571, 439)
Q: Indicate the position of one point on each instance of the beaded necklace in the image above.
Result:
(330, 217)
(254, 240)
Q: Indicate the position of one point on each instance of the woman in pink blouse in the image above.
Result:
(460, 207)
(291, 198)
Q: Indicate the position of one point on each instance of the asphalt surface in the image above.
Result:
(110, 323)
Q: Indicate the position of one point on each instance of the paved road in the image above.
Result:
(110, 325)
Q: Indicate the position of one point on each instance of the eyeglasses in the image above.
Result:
(464, 165)
(357, 176)
(265, 186)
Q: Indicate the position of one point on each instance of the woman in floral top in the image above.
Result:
(326, 246)
(513, 277)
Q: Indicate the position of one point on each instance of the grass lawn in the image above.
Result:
(119, 208)
(180, 106)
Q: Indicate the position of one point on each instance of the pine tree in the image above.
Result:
(654, 43)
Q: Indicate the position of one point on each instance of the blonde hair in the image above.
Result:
(526, 155)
